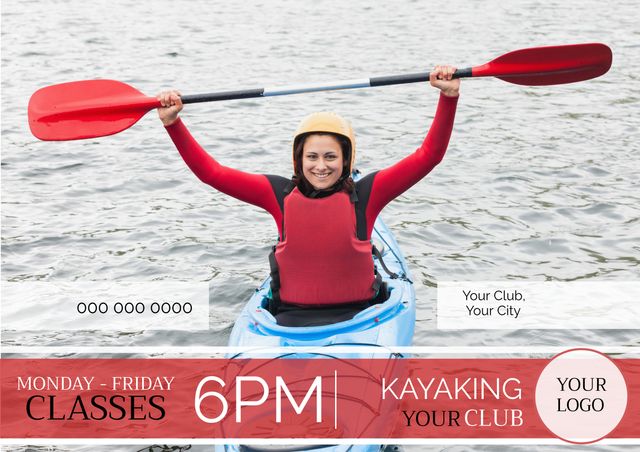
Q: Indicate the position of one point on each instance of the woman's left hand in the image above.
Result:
(440, 77)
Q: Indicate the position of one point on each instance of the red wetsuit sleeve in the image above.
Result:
(252, 188)
(391, 182)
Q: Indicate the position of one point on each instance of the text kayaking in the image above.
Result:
(434, 388)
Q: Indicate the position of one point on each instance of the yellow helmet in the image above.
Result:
(327, 122)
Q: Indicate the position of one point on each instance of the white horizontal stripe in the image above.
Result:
(307, 441)
(206, 350)
(311, 87)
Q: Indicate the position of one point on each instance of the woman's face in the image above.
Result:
(322, 161)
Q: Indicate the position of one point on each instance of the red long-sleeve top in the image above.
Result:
(387, 184)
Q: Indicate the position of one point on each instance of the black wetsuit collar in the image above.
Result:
(322, 193)
(307, 189)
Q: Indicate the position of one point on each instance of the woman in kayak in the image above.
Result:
(323, 257)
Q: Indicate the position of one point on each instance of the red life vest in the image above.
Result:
(320, 260)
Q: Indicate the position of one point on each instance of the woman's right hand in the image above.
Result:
(442, 78)
(171, 106)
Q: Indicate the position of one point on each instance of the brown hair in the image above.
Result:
(302, 183)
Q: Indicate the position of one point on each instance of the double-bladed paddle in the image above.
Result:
(95, 108)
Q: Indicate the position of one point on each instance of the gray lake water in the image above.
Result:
(539, 183)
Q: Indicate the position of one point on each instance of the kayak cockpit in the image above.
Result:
(265, 323)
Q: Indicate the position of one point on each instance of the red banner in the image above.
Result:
(296, 398)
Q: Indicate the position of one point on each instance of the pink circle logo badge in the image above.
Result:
(581, 396)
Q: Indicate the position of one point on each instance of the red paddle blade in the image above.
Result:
(86, 109)
(551, 65)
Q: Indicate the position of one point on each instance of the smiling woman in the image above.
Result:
(323, 258)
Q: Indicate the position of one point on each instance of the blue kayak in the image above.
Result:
(387, 324)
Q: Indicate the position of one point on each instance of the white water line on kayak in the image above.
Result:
(335, 400)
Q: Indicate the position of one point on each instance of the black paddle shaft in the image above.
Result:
(308, 88)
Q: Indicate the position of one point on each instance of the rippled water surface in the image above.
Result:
(539, 183)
